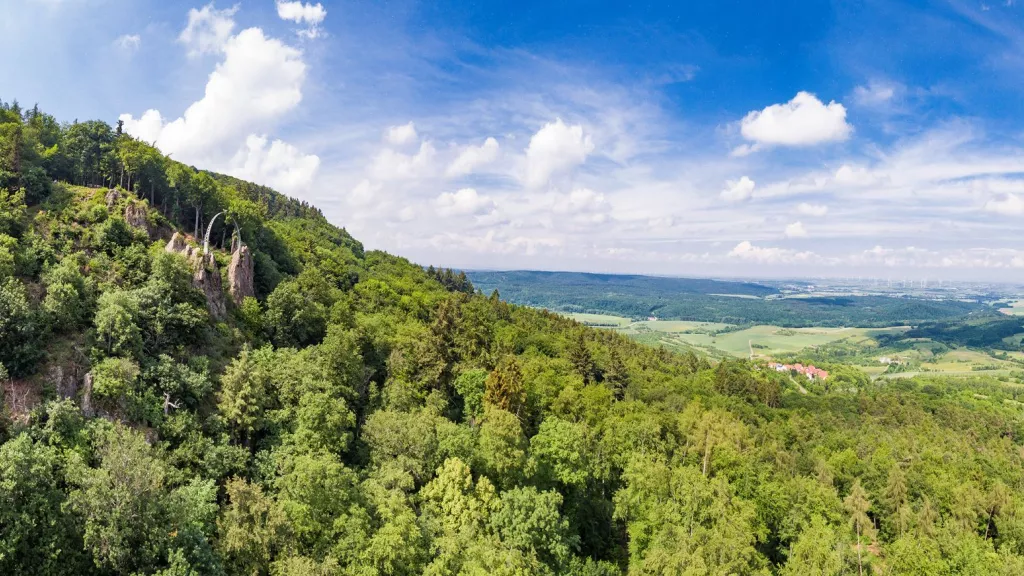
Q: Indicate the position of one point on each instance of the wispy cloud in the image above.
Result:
(128, 42)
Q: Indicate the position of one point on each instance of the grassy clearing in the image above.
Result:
(1016, 308)
(677, 326)
(600, 319)
(768, 340)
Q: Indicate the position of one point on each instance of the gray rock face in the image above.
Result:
(177, 245)
(135, 215)
(207, 279)
(64, 384)
(112, 197)
(87, 409)
(205, 275)
(240, 275)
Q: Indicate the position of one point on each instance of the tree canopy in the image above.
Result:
(362, 415)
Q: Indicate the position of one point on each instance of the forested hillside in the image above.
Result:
(710, 300)
(282, 402)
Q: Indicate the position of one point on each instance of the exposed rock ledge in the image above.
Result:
(240, 275)
(205, 275)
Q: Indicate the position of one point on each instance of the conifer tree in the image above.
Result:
(857, 506)
(504, 387)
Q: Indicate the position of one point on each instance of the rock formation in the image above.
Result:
(205, 275)
(207, 279)
(240, 274)
(112, 197)
(135, 215)
(177, 245)
(87, 409)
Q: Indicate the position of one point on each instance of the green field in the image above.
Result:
(919, 355)
(715, 336)
(769, 340)
(1016, 308)
(678, 326)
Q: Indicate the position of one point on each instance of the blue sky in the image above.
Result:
(728, 138)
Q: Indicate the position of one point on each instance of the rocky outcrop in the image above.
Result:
(177, 245)
(240, 275)
(205, 275)
(65, 385)
(207, 279)
(112, 197)
(87, 408)
(135, 215)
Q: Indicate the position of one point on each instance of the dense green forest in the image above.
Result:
(995, 331)
(284, 402)
(709, 300)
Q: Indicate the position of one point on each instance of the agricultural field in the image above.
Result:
(601, 320)
(680, 326)
(771, 340)
(1016, 308)
(856, 346)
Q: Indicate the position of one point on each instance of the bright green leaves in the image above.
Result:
(37, 534)
(117, 324)
(133, 520)
(678, 520)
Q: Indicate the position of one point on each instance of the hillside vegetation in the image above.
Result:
(287, 403)
(639, 297)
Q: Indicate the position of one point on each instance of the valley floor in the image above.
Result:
(855, 346)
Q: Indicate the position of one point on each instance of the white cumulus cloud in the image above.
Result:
(364, 194)
(312, 15)
(208, 29)
(854, 176)
(738, 190)
(473, 157)
(796, 230)
(301, 13)
(278, 165)
(747, 251)
(393, 165)
(401, 135)
(258, 81)
(803, 121)
(584, 206)
(581, 200)
(1009, 204)
(554, 149)
(464, 202)
(816, 210)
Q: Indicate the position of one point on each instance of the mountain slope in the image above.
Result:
(355, 416)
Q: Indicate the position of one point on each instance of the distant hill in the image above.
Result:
(708, 300)
(633, 285)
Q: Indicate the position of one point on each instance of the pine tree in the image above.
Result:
(857, 506)
(926, 519)
(581, 360)
(896, 494)
(504, 387)
(616, 375)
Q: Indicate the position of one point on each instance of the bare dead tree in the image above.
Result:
(168, 404)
